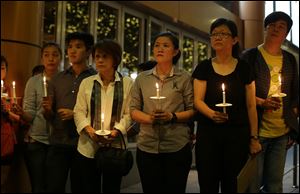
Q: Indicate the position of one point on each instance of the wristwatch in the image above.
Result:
(174, 118)
(255, 137)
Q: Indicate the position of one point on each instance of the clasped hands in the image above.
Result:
(161, 117)
(107, 139)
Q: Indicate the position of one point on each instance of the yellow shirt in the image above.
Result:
(272, 124)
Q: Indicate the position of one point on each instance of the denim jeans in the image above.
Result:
(271, 163)
(35, 158)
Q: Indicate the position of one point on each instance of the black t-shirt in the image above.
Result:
(234, 87)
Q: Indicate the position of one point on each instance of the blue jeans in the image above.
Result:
(271, 163)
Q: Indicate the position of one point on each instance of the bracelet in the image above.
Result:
(255, 137)
(174, 118)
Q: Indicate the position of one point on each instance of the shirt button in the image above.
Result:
(73, 91)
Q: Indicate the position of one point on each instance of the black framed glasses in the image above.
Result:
(221, 35)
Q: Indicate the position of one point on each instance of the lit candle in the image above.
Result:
(14, 91)
(157, 91)
(45, 86)
(2, 85)
(279, 87)
(102, 121)
(224, 97)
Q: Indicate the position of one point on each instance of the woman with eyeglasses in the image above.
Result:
(224, 95)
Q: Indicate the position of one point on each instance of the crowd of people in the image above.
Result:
(245, 105)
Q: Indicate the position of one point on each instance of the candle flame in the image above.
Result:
(2, 83)
(14, 83)
(223, 87)
(157, 87)
(44, 78)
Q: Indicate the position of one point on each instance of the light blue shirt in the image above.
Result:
(32, 104)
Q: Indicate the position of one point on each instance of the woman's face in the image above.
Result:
(3, 70)
(51, 58)
(164, 50)
(221, 38)
(104, 62)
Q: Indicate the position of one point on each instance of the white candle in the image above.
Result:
(279, 87)
(14, 91)
(224, 97)
(2, 85)
(45, 86)
(102, 121)
(157, 91)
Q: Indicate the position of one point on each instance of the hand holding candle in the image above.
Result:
(102, 131)
(45, 86)
(224, 103)
(278, 92)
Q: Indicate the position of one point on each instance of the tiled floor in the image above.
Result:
(193, 187)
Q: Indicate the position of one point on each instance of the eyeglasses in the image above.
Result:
(221, 35)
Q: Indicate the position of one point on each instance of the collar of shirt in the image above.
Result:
(117, 78)
(174, 71)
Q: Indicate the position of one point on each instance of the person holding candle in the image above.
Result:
(37, 137)
(62, 154)
(14, 96)
(9, 121)
(223, 140)
(278, 124)
(164, 152)
(102, 103)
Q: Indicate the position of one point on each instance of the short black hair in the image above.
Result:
(279, 15)
(48, 44)
(109, 47)
(37, 69)
(87, 38)
(3, 60)
(147, 65)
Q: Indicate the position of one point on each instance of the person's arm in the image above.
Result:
(81, 116)
(141, 117)
(255, 146)
(30, 101)
(270, 103)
